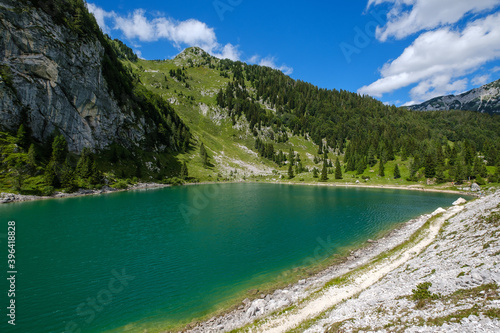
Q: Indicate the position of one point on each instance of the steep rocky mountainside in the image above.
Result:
(52, 78)
(484, 99)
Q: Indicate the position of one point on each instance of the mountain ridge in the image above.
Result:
(485, 99)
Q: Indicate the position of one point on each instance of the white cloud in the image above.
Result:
(139, 54)
(496, 69)
(438, 86)
(100, 16)
(254, 59)
(271, 62)
(229, 51)
(410, 103)
(436, 59)
(137, 26)
(480, 80)
(396, 102)
(407, 17)
(191, 32)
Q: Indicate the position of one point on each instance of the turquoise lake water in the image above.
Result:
(132, 260)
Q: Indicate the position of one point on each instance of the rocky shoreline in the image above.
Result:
(11, 197)
(463, 255)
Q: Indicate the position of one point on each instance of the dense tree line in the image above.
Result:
(122, 51)
(35, 169)
(366, 130)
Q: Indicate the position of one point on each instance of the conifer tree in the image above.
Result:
(203, 155)
(59, 149)
(50, 175)
(413, 171)
(32, 159)
(338, 169)
(381, 169)
(22, 137)
(184, 171)
(360, 166)
(397, 174)
(315, 172)
(439, 155)
(95, 176)
(67, 177)
(479, 169)
(320, 148)
(290, 171)
(291, 157)
(299, 168)
(430, 166)
(371, 157)
(84, 165)
(440, 175)
(459, 173)
(324, 171)
(495, 178)
(452, 159)
(468, 153)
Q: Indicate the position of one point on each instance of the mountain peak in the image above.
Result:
(194, 55)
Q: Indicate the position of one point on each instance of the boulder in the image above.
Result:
(475, 187)
(438, 211)
(459, 201)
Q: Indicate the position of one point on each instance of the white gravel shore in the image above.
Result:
(458, 251)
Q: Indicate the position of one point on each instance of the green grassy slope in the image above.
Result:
(231, 147)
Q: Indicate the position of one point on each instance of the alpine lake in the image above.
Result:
(157, 259)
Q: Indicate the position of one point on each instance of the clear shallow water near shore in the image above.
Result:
(144, 259)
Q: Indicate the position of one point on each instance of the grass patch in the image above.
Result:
(456, 316)
(489, 290)
(338, 281)
(336, 327)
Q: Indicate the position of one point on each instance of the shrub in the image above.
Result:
(47, 190)
(121, 184)
(422, 294)
(174, 181)
(480, 180)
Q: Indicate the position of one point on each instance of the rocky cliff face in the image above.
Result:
(51, 79)
(484, 99)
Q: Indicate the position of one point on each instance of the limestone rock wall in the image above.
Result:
(56, 80)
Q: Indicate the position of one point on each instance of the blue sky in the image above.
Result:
(399, 51)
